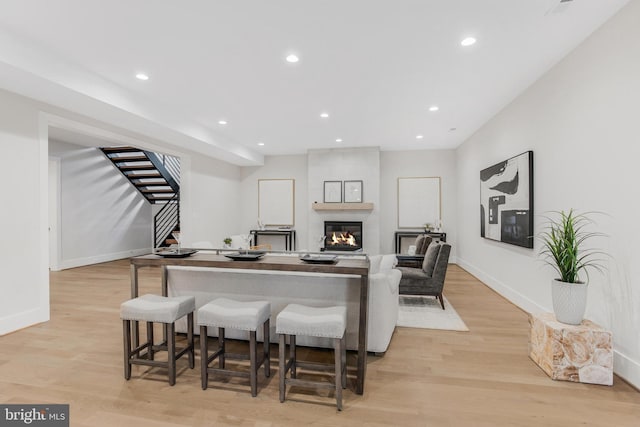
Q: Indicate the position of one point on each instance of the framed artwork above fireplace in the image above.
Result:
(353, 191)
(332, 192)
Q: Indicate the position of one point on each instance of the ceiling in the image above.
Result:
(375, 66)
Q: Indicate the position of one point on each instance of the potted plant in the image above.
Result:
(227, 242)
(564, 248)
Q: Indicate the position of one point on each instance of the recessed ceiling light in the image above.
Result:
(419, 136)
(261, 143)
(324, 115)
(434, 108)
(222, 122)
(468, 41)
(292, 58)
(142, 76)
(338, 139)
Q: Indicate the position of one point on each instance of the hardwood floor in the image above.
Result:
(427, 377)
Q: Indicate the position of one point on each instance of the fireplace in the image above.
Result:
(342, 235)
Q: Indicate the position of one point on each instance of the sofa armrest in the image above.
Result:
(383, 309)
(390, 279)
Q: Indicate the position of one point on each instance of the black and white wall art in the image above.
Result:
(506, 201)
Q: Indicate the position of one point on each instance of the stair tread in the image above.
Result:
(144, 175)
(135, 161)
(120, 149)
(145, 185)
(159, 197)
(149, 191)
(137, 167)
(129, 158)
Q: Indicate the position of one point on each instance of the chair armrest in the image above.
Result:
(394, 280)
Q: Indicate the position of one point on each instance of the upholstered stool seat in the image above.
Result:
(327, 322)
(225, 313)
(156, 309)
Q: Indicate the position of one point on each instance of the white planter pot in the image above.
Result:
(569, 301)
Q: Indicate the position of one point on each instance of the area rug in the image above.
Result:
(426, 313)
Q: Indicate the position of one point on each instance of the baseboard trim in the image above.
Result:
(22, 320)
(623, 366)
(516, 298)
(627, 369)
(97, 259)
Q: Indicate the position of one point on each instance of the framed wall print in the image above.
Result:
(276, 202)
(353, 191)
(333, 191)
(506, 201)
(418, 202)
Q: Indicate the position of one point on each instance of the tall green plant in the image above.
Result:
(563, 238)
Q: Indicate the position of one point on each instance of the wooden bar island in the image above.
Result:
(346, 266)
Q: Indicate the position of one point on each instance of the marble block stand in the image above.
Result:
(581, 353)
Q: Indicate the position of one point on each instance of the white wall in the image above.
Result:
(581, 121)
(23, 258)
(378, 170)
(210, 198)
(396, 164)
(102, 216)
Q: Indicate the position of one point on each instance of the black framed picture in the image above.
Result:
(333, 191)
(353, 192)
(506, 201)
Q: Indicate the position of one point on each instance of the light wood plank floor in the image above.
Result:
(427, 378)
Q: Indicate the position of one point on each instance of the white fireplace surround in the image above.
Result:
(349, 164)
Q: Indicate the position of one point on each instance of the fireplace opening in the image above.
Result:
(342, 235)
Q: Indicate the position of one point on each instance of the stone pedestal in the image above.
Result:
(581, 353)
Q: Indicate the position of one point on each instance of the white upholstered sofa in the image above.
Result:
(282, 288)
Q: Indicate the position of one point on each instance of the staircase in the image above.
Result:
(149, 172)
(157, 178)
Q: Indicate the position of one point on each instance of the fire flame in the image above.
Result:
(343, 239)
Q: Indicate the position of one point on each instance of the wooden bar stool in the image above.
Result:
(157, 309)
(327, 322)
(225, 313)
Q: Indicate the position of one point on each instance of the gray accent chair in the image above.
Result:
(422, 243)
(428, 280)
